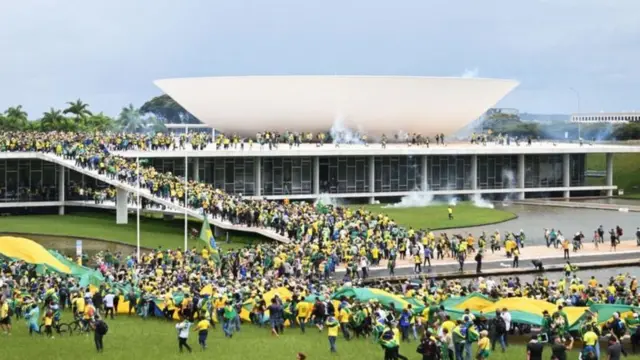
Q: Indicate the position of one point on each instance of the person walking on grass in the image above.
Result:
(450, 211)
(100, 330)
(5, 318)
(203, 331)
(333, 326)
(183, 334)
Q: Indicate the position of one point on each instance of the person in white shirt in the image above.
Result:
(363, 265)
(183, 334)
(108, 304)
(506, 316)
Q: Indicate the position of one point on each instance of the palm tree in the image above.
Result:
(100, 122)
(52, 120)
(80, 111)
(15, 118)
(130, 119)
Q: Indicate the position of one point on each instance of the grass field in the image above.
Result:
(436, 216)
(133, 338)
(154, 232)
(626, 171)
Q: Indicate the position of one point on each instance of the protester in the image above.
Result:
(183, 334)
(100, 330)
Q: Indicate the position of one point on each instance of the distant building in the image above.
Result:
(620, 117)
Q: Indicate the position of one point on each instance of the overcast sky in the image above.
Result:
(108, 52)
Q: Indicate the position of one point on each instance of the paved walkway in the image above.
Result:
(580, 205)
(626, 250)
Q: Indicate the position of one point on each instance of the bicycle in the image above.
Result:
(78, 326)
(60, 329)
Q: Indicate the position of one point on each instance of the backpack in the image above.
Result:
(501, 326)
(102, 328)
(428, 348)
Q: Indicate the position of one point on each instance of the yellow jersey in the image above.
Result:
(203, 325)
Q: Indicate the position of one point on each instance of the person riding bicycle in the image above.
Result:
(89, 313)
(57, 315)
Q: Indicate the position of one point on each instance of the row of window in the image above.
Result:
(607, 118)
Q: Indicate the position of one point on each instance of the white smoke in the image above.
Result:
(470, 73)
(510, 178)
(342, 134)
(325, 199)
(414, 199)
(480, 202)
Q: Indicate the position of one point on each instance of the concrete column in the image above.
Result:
(257, 175)
(520, 176)
(372, 178)
(474, 172)
(425, 174)
(609, 176)
(122, 216)
(195, 169)
(61, 188)
(316, 175)
(566, 173)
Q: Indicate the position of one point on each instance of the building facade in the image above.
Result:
(367, 173)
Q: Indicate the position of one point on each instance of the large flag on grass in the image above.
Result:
(206, 235)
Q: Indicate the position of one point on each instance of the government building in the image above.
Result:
(354, 172)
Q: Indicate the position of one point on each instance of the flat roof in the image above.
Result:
(391, 150)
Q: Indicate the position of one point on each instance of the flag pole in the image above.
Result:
(138, 205)
(186, 216)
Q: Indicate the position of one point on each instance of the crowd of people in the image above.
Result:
(321, 239)
(242, 277)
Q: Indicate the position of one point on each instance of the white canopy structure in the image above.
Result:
(370, 104)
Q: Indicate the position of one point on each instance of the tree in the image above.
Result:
(52, 120)
(628, 131)
(100, 122)
(15, 119)
(168, 111)
(80, 111)
(130, 119)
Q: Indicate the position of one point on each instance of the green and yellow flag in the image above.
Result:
(206, 235)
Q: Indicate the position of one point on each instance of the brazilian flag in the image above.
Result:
(206, 235)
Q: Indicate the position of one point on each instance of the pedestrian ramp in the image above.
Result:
(196, 213)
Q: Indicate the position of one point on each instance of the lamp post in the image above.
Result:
(138, 206)
(578, 98)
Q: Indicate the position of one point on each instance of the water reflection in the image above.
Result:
(534, 219)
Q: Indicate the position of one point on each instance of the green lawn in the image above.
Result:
(436, 216)
(626, 171)
(133, 338)
(154, 231)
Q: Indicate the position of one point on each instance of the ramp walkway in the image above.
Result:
(144, 193)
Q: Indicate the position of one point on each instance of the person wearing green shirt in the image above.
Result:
(229, 317)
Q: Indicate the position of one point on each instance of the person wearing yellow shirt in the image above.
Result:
(5, 319)
(483, 346)
(343, 317)
(48, 321)
(333, 326)
(89, 312)
(203, 331)
(590, 340)
(302, 309)
(448, 324)
(79, 305)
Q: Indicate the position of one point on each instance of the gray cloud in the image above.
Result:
(108, 53)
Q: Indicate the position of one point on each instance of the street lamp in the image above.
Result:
(578, 98)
